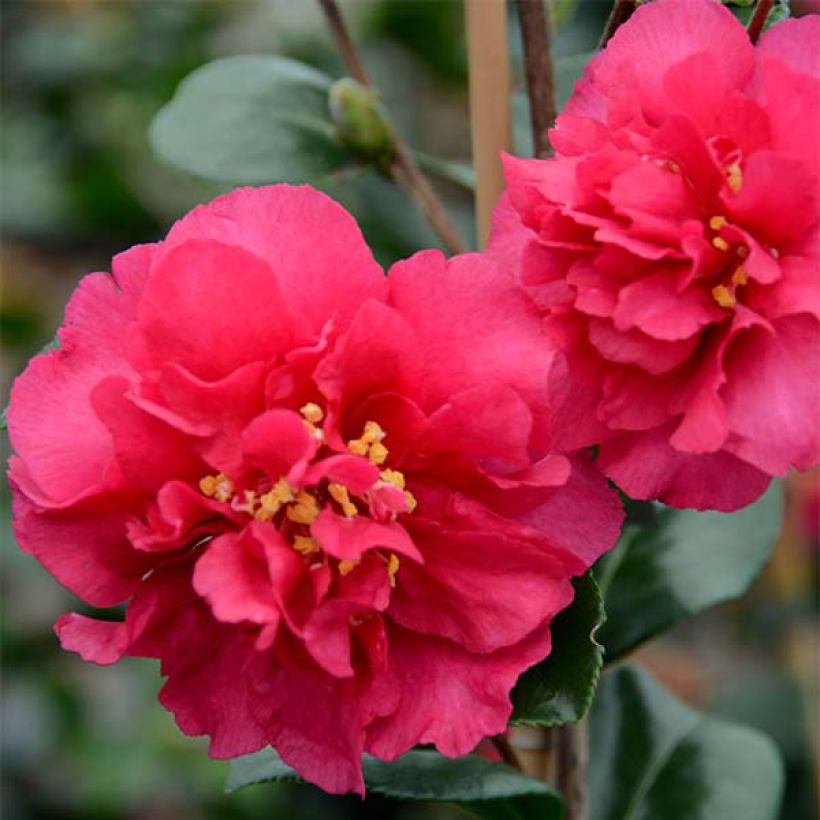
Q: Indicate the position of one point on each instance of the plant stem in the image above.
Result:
(490, 125)
(621, 12)
(569, 768)
(505, 750)
(403, 168)
(536, 35)
(758, 20)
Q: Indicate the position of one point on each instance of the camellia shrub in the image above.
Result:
(366, 520)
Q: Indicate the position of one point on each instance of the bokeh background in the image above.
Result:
(80, 82)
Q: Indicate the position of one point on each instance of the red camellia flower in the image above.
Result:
(672, 244)
(330, 497)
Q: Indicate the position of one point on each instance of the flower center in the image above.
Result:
(725, 293)
(293, 510)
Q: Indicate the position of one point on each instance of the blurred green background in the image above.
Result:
(81, 80)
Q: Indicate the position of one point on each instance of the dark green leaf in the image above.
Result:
(489, 790)
(654, 758)
(250, 119)
(560, 689)
(687, 562)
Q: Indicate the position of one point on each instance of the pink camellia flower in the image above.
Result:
(329, 497)
(672, 244)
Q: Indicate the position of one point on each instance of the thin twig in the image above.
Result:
(758, 20)
(505, 751)
(348, 50)
(621, 12)
(569, 761)
(403, 168)
(536, 36)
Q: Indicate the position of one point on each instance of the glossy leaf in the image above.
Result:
(488, 790)
(250, 119)
(653, 757)
(560, 689)
(686, 562)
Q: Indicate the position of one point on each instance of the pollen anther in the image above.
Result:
(347, 566)
(717, 222)
(370, 443)
(305, 545)
(720, 243)
(217, 486)
(378, 453)
(312, 412)
(339, 493)
(272, 501)
(392, 568)
(304, 510)
(739, 277)
(724, 296)
(734, 177)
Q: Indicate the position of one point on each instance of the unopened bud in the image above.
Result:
(361, 120)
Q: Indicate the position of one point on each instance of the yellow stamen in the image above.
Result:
(305, 545)
(724, 296)
(393, 477)
(411, 501)
(370, 443)
(315, 431)
(347, 566)
(740, 277)
(720, 243)
(378, 453)
(392, 568)
(372, 432)
(338, 492)
(717, 222)
(734, 177)
(312, 412)
(271, 502)
(305, 510)
(217, 486)
(358, 447)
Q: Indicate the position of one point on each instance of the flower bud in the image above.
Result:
(361, 120)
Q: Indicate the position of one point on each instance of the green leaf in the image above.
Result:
(488, 790)
(743, 10)
(459, 172)
(653, 757)
(560, 689)
(687, 562)
(250, 119)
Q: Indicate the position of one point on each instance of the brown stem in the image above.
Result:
(403, 167)
(569, 768)
(508, 755)
(536, 35)
(490, 122)
(758, 20)
(348, 50)
(621, 12)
